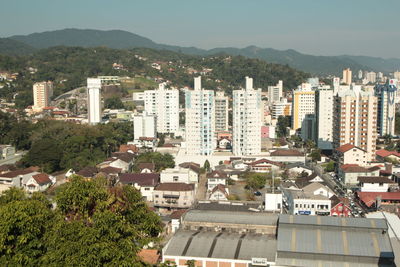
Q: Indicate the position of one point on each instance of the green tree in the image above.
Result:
(256, 181)
(316, 155)
(207, 166)
(282, 126)
(161, 161)
(113, 103)
(330, 167)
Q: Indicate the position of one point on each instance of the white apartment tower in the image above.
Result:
(247, 120)
(221, 112)
(324, 118)
(386, 94)
(275, 93)
(94, 100)
(302, 105)
(355, 120)
(164, 103)
(200, 120)
(42, 92)
(144, 125)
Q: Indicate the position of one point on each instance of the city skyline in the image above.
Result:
(309, 27)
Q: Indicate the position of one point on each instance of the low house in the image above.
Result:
(350, 154)
(304, 181)
(144, 182)
(220, 192)
(374, 183)
(110, 172)
(215, 178)
(299, 202)
(349, 173)
(239, 164)
(287, 156)
(18, 178)
(173, 196)
(192, 166)
(146, 167)
(150, 257)
(374, 200)
(7, 168)
(298, 168)
(39, 182)
(265, 165)
(340, 207)
(6, 151)
(147, 142)
(129, 148)
(318, 189)
(88, 172)
(179, 175)
(387, 155)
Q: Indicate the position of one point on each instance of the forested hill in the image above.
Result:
(320, 65)
(69, 67)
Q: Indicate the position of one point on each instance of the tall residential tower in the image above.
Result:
(386, 94)
(42, 92)
(221, 112)
(200, 120)
(247, 120)
(94, 100)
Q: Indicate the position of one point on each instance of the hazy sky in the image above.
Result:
(319, 27)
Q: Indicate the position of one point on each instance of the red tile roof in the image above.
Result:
(149, 256)
(369, 198)
(217, 174)
(344, 148)
(146, 165)
(221, 188)
(174, 187)
(374, 179)
(126, 148)
(286, 152)
(177, 214)
(385, 153)
(260, 161)
(41, 178)
(111, 170)
(357, 168)
(16, 173)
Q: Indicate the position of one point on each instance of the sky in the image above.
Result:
(317, 27)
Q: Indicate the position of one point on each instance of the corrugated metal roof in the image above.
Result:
(333, 221)
(221, 245)
(231, 217)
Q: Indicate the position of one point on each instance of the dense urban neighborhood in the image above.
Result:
(145, 157)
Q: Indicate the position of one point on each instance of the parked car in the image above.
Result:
(257, 193)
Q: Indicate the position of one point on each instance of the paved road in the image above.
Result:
(201, 187)
(13, 159)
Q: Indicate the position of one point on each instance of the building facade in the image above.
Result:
(324, 118)
(355, 120)
(94, 100)
(386, 94)
(281, 108)
(200, 120)
(42, 92)
(302, 105)
(164, 103)
(221, 112)
(247, 120)
(347, 76)
(275, 93)
(144, 125)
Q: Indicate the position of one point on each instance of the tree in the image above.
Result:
(207, 166)
(256, 181)
(113, 103)
(330, 167)
(23, 225)
(161, 161)
(316, 155)
(282, 125)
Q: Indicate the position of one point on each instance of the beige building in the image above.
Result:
(355, 120)
(302, 105)
(350, 154)
(42, 91)
(347, 75)
(173, 196)
(221, 112)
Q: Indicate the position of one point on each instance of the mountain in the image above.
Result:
(12, 47)
(320, 65)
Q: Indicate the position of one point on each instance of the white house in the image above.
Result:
(39, 182)
(298, 168)
(350, 172)
(287, 156)
(374, 183)
(18, 178)
(318, 189)
(305, 203)
(179, 175)
(145, 182)
(273, 202)
(215, 178)
(265, 165)
(350, 154)
(220, 192)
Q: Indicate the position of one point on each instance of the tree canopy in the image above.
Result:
(161, 161)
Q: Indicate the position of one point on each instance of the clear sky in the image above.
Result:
(318, 27)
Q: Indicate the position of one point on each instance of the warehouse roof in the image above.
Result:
(213, 216)
(221, 245)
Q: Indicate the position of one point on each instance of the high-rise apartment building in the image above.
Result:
(247, 120)
(360, 74)
(324, 118)
(281, 108)
(371, 77)
(221, 112)
(386, 94)
(144, 126)
(42, 92)
(303, 104)
(355, 120)
(396, 75)
(94, 100)
(347, 76)
(275, 93)
(200, 120)
(164, 103)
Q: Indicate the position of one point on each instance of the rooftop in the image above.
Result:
(174, 187)
(142, 179)
(213, 216)
(221, 245)
(286, 152)
(374, 179)
(41, 178)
